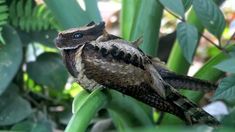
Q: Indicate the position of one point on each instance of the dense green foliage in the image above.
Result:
(33, 91)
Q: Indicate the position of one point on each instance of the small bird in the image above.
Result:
(98, 59)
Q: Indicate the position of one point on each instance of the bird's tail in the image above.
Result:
(192, 113)
(181, 81)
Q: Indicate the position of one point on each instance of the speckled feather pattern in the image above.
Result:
(111, 62)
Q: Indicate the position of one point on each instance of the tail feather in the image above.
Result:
(193, 114)
(181, 81)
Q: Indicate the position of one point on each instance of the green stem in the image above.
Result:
(85, 110)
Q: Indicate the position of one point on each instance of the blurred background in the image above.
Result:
(36, 91)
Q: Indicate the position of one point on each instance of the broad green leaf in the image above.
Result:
(10, 57)
(72, 15)
(129, 13)
(31, 126)
(48, 70)
(92, 10)
(226, 90)
(187, 36)
(175, 6)
(210, 16)
(187, 4)
(147, 24)
(13, 107)
(227, 65)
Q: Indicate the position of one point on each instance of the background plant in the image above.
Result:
(33, 91)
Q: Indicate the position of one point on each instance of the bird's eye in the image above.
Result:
(77, 35)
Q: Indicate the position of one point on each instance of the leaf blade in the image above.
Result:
(210, 16)
(187, 36)
(10, 57)
(227, 65)
(177, 7)
(226, 89)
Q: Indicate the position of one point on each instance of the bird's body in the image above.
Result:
(109, 61)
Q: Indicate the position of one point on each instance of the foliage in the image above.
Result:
(36, 94)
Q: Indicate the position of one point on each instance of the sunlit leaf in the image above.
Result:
(210, 16)
(187, 36)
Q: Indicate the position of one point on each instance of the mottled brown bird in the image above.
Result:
(98, 59)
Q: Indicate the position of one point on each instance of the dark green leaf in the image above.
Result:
(210, 16)
(187, 36)
(227, 65)
(45, 37)
(48, 70)
(187, 4)
(10, 57)
(72, 15)
(30, 126)
(175, 6)
(13, 107)
(226, 90)
(228, 120)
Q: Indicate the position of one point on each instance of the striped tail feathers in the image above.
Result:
(181, 81)
(193, 113)
(186, 82)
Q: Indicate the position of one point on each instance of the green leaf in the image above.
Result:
(150, 11)
(210, 16)
(187, 36)
(228, 120)
(31, 126)
(45, 37)
(77, 16)
(13, 107)
(227, 65)
(226, 90)
(10, 57)
(129, 13)
(48, 70)
(176, 6)
(187, 4)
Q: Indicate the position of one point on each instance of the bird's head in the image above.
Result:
(75, 37)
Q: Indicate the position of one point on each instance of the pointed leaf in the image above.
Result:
(226, 90)
(10, 57)
(227, 65)
(187, 36)
(175, 6)
(210, 16)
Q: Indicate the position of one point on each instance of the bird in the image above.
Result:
(96, 58)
